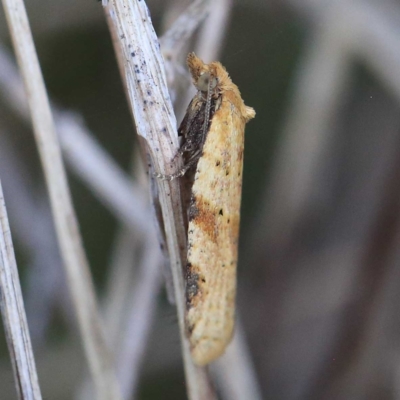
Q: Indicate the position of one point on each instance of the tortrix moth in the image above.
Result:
(213, 142)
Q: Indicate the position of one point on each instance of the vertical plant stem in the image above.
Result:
(13, 312)
(156, 126)
(69, 238)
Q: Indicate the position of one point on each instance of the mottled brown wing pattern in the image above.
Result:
(213, 237)
(213, 140)
(191, 130)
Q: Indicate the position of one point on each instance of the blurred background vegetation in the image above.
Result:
(319, 261)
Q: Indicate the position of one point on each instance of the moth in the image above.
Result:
(212, 145)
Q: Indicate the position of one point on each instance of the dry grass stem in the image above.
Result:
(123, 275)
(142, 301)
(27, 209)
(235, 371)
(124, 198)
(101, 173)
(370, 34)
(177, 36)
(212, 33)
(85, 156)
(156, 126)
(134, 304)
(174, 43)
(14, 318)
(77, 268)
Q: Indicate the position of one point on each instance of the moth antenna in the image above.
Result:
(208, 109)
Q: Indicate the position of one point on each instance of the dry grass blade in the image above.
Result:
(77, 269)
(143, 300)
(234, 371)
(177, 36)
(101, 173)
(13, 312)
(84, 154)
(374, 37)
(213, 31)
(122, 196)
(28, 208)
(156, 126)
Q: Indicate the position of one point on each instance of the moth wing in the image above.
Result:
(213, 235)
(193, 112)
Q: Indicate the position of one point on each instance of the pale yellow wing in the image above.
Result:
(213, 235)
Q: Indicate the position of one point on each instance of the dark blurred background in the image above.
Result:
(319, 277)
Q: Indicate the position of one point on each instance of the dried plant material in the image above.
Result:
(213, 139)
(13, 313)
(66, 224)
(155, 123)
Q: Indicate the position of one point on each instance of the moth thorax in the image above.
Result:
(206, 82)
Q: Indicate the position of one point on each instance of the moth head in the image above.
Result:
(206, 82)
